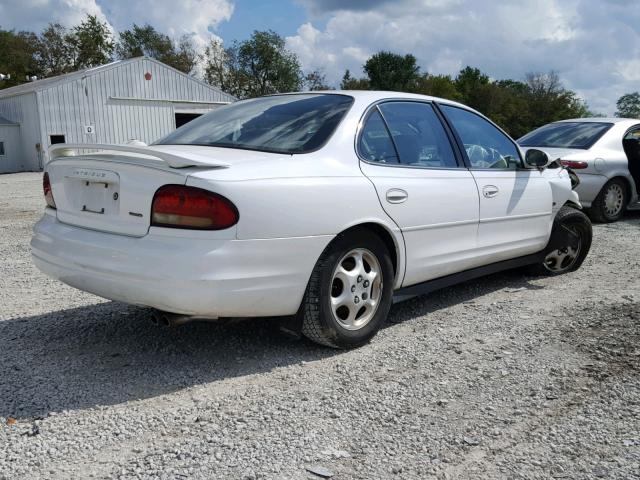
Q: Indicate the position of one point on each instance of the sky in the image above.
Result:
(594, 45)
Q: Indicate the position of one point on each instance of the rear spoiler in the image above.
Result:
(170, 159)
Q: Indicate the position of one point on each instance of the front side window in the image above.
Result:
(418, 135)
(286, 124)
(582, 135)
(486, 145)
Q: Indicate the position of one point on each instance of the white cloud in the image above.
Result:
(176, 18)
(593, 45)
(36, 14)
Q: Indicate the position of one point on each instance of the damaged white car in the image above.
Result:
(323, 207)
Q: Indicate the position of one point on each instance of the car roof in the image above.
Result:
(600, 120)
(375, 95)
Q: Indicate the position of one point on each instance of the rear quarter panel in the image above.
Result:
(300, 196)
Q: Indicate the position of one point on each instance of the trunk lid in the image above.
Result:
(108, 193)
(111, 189)
(562, 153)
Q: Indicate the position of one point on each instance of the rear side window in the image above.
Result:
(375, 143)
(486, 146)
(418, 135)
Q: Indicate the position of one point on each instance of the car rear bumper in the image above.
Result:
(589, 187)
(193, 276)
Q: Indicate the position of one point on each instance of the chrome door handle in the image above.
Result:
(490, 191)
(396, 195)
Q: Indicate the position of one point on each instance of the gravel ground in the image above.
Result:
(505, 377)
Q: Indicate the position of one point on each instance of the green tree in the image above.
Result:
(442, 86)
(92, 42)
(146, 40)
(629, 105)
(269, 66)
(18, 56)
(184, 56)
(56, 52)
(469, 84)
(350, 83)
(258, 66)
(390, 71)
(316, 80)
(548, 100)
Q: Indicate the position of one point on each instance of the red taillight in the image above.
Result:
(48, 193)
(575, 164)
(178, 206)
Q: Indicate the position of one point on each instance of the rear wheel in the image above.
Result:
(349, 293)
(559, 259)
(610, 203)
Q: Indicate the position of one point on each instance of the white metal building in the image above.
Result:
(140, 99)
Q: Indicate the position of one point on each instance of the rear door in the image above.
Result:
(515, 203)
(422, 184)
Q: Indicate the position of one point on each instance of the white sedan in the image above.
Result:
(323, 207)
(604, 152)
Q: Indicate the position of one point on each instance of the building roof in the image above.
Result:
(6, 121)
(49, 82)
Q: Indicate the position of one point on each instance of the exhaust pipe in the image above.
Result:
(168, 319)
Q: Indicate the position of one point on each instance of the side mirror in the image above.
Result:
(536, 158)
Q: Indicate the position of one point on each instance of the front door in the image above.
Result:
(421, 184)
(515, 202)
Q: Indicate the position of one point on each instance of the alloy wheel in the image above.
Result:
(613, 200)
(562, 259)
(356, 289)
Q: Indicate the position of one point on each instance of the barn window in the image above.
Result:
(53, 139)
(182, 118)
(1, 149)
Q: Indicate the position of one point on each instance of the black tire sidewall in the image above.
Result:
(340, 336)
(578, 220)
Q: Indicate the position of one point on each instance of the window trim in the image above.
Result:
(523, 166)
(374, 107)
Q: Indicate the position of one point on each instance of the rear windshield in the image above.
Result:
(282, 124)
(566, 135)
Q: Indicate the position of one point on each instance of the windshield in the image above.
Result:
(282, 124)
(566, 135)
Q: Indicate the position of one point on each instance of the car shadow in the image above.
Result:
(631, 217)
(461, 293)
(110, 353)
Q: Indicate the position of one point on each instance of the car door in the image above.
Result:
(423, 186)
(515, 202)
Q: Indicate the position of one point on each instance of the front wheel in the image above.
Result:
(350, 291)
(566, 256)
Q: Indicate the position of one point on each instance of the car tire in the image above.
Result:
(558, 261)
(350, 291)
(611, 202)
